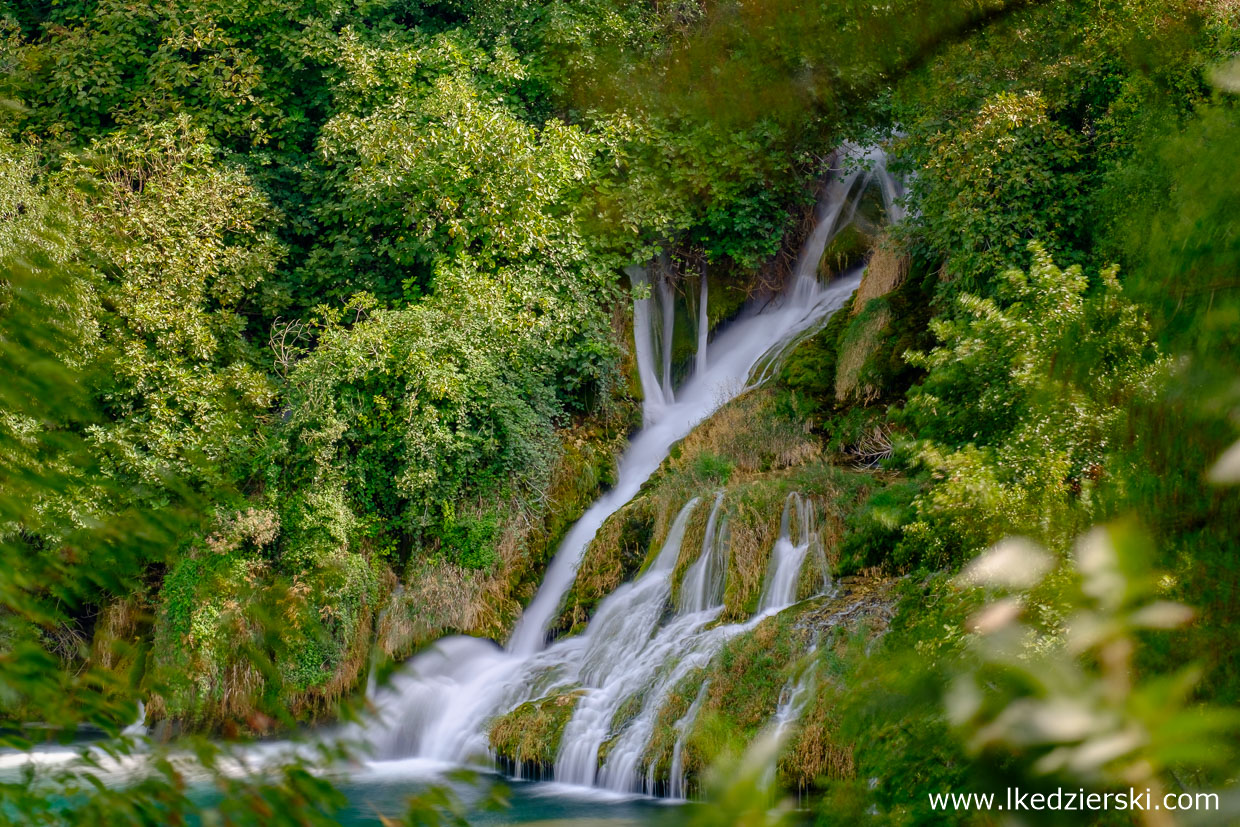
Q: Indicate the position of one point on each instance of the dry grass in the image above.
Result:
(814, 751)
(873, 446)
(887, 269)
(754, 527)
(752, 436)
(116, 632)
(241, 685)
(857, 347)
(438, 597)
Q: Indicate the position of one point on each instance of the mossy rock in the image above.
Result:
(864, 337)
(614, 556)
(724, 297)
(527, 739)
(847, 250)
(809, 370)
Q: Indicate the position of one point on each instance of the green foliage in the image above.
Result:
(1012, 153)
(874, 530)
(178, 246)
(249, 71)
(438, 168)
(1052, 680)
(470, 542)
(422, 209)
(1015, 432)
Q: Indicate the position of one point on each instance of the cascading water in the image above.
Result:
(138, 727)
(703, 584)
(703, 330)
(632, 654)
(676, 784)
(788, 556)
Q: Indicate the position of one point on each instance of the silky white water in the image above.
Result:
(676, 782)
(788, 556)
(703, 584)
(703, 330)
(638, 647)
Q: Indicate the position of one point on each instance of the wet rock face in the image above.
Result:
(857, 603)
(527, 739)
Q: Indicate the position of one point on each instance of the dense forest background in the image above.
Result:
(317, 338)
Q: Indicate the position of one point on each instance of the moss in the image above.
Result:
(614, 556)
(527, 739)
(860, 341)
(724, 297)
(622, 335)
(663, 738)
(326, 651)
(809, 370)
(847, 250)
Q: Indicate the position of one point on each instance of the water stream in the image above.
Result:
(637, 648)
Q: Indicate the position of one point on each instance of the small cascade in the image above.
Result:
(667, 303)
(703, 330)
(638, 648)
(792, 701)
(676, 788)
(619, 653)
(702, 587)
(138, 727)
(796, 536)
(644, 345)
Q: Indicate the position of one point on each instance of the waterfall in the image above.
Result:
(788, 556)
(703, 584)
(637, 649)
(676, 786)
(792, 700)
(703, 325)
(138, 727)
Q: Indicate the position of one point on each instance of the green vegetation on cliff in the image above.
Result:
(316, 341)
